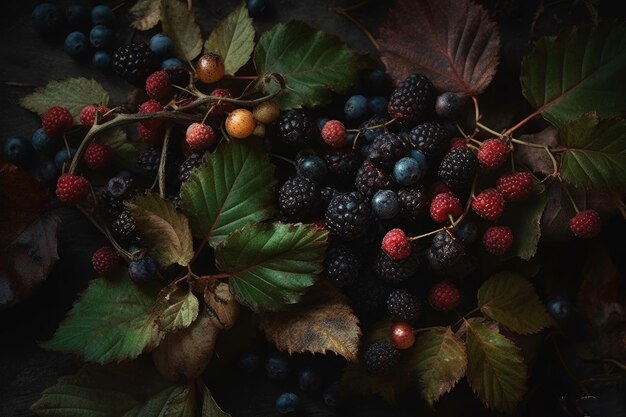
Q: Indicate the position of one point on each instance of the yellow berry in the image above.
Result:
(266, 112)
(240, 123)
(210, 68)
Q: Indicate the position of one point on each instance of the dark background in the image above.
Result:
(27, 61)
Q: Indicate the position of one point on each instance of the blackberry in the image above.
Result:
(387, 149)
(186, 168)
(380, 357)
(134, 62)
(413, 202)
(432, 138)
(148, 161)
(395, 272)
(327, 194)
(403, 306)
(296, 128)
(299, 199)
(458, 167)
(367, 135)
(444, 251)
(348, 215)
(342, 162)
(413, 101)
(110, 205)
(343, 266)
(124, 224)
(371, 178)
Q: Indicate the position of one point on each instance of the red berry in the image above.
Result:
(493, 153)
(199, 137)
(516, 186)
(72, 188)
(444, 296)
(56, 120)
(88, 115)
(97, 155)
(220, 107)
(151, 106)
(457, 143)
(438, 187)
(586, 224)
(444, 204)
(498, 239)
(334, 134)
(402, 336)
(396, 245)
(489, 204)
(158, 86)
(104, 260)
(151, 135)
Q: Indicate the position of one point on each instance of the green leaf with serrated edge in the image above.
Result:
(595, 154)
(234, 186)
(146, 14)
(579, 70)
(71, 93)
(271, 265)
(510, 299)
(180, 25)
(233, 39)
(495, 369)
(210, 407)
(110, 322)
(438, 360)
(125, 152)
(313, 63)
(175, 308)
(165, 230)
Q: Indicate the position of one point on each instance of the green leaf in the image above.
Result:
(439, 361)
(271, 265)
(313, 64)
(233, 39)
(71, 93)
(210, 407)
(235, 186)
(125, 152)
(180, 25)
(175, 309)
(164, 229)
(595, 157)
(111, 322)
(580, 70)
(495, 369)
(146, 14)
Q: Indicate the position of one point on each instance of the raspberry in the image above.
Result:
(124, 224)
(431, 138)
(192, 162)
(71, 188)
(151, 106)
(396, 245)
(158, 86)
(267, 112)
(457, 168)
(299, 199)
(348, 215)
(516, 186)
(585, 224)
(296, 128)
(343, 266)
(97, 155)
(334, 134)
(56, 120)
(371, 178)
(151, 136)
(489, 204)
(444, 205)
(219, 108)
(413, 100)
(104, 260)
(457, 143)
(444, 251)
(199, 137)
(497, 240)
(394, 272)
(402, 336)
(88, 115)
(149, 160)
(210, 68)
(413, 202)
(387, 148)
(380, 357)
(134, 62)
(493, 153)
(444, 296)
(240, 123)
(403, 306)
(342, 162)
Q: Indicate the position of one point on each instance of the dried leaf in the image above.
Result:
(146, 13)
(537, 159)
(210, 407)
(175, 308)
(221, 304)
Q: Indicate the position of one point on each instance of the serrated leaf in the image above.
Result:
(210, 407)
(452, 42)
(165, 230)
(233, 39)
(175, 309)
(271, 265)
(71, 93)
(125, 152)
(323, 321)
(313, 64)
(146, 14)
(179, 23)
(439, 361)
(234, 186)
(110, 322)
(495, 369)
(580, 70)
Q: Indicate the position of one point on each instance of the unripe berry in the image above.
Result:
(199, 137)
(240, 123)
(402, 336)
(266, 112)
(210, 68)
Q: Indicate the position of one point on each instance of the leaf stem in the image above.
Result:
(162, 162)
(488, 130)
(569, 196)
(214, 276)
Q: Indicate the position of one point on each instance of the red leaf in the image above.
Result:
(452, 42)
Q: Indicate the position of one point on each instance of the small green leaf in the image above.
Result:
(313, 63)
(175, 309)
(271, 265)
(164, 229)
(439, 361)
(71, 93)
(234, 186)
(125, 152)
(146, 14)
(233, 39)
(495, 369)
(210, 407)
(180, 25)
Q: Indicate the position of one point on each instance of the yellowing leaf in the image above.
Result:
(175, 309)
(146, 13)
(179, 23)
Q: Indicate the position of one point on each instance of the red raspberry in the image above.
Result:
(493, 153)
(457, 143)
(497, 239)
(104, 260)
(444, 204)
(151, 106)
(199, 137)
(56, 120)
(439, 187)
(444, 296)
(516, 186)
(151, 136)
(97, 155)
(220, 107)
(396, 245)
(158, 86)
(334, 134)
(72, 188)
(489, 204)
(585, 224)
(88, 115)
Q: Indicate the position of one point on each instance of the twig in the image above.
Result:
(344, 12)
(162, 162)
(105, 231)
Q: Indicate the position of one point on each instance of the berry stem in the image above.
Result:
(528, 118)
(569, 196)
(432, 232)
(244, 77)
(344, 12)
(161, 172)
(105, 231)
(555, 165)
(458, 127)
(214, 276)
(282, 158)
(488, 130)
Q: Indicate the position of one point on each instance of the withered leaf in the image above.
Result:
(537, 159)
(221, 304)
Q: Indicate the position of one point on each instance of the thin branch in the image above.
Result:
(162, 162)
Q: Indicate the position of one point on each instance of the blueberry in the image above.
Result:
(172, 63)
(355, 108)
(101, 60)
(42, 142)
(321, 122)
(385, 204)
(467, 231)
(17, 150)
(63, 156)
(121, 187)
(77, 16)
(101, 36)
(256, 7)
(376, 80)
(287, 402)
(312, 167)
(102, 15)
(408, 171)
(560, 308)
(419, 157)
(331, 395)
(277, 367)
(49, 173)
(308, 380)
(377, 105)
(161, 45)
(449, 105)
(47, 19)
(249, 362)
(76, 44)
(143, 269)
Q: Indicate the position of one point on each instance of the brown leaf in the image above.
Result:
(221, 304)
(537, 159)
(322, 322)
(452, 42)
(146, 14)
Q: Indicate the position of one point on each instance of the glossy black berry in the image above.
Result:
(457, 169)
(444, 251)
(380, 357)
(432, 138)
(343, 265)
(296, 128)
(449, 105)
(192, 162)
(134, 62)
(299, 199)
(348, 215)
(413, 101)
(387, 148)
(371, 178)
(394, 272)
(413, 201)
(403, 306)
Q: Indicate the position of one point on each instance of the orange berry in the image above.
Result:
(266, 112)
(240, 123)
(210, 68)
